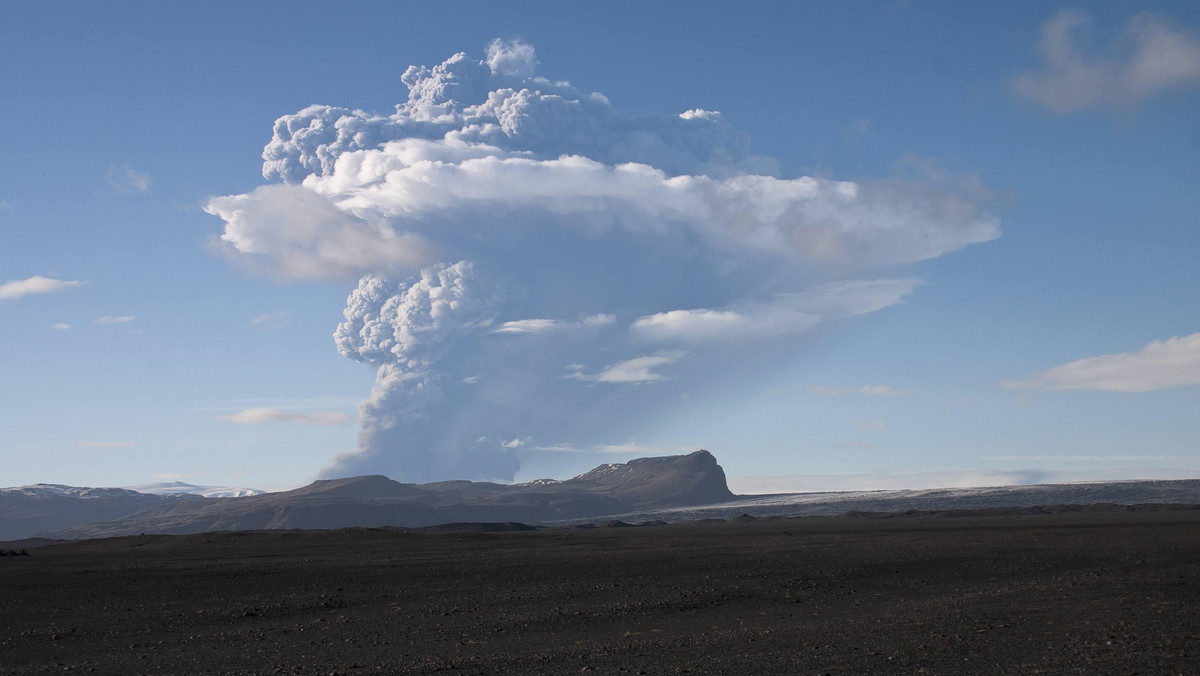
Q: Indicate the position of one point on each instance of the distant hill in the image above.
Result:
(642, 484)
(41, 508)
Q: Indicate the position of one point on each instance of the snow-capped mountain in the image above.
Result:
(39, 508)
(181, 488)
(61, 491)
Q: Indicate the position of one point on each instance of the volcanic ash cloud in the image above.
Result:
(406, 329)
(597, 242)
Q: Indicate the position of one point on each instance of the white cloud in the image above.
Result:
(633, 448)
(636, 370)
(115, 319)
(1150, 56)
(258, 416)
(558, 448)
(1160, 365)
(875, 423)
(125, 178)
(513, 444)
(815, 219)
(536, 326)
(272, 319)
(702, 324)
(840, 300)
(19, 288)
(287, 403)
(294, 233)
(511, 58)
(596, 320)
(783, 314)
(630, 448)
(527, 326)
(61, 326)
(879, 390)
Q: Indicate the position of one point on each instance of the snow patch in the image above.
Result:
(181, 488)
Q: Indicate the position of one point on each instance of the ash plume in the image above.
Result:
(641, 258)
(406, 329)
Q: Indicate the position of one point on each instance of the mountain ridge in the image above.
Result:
(376, 500)
(670, 488)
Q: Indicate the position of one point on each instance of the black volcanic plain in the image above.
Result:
(1110, 590)
(1067, 589)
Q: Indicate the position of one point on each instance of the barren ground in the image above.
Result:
(1087, 593)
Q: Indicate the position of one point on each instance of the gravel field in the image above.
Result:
(1091, 592)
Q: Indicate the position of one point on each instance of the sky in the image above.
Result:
(839, 245)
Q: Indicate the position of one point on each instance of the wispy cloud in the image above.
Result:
(634, 448)
(783, 314)
(854, 131)
(271, 320)
(631, 448)
(108, 444)
(19, 288)
(61, 326)
(126, 179)
(1160, 365)
(875, 423)
(703, 323)
(535, 326)
(636, 370)
(875, 390)
(1148, 57)
(258, 416)
(330, 402)
(115, 319)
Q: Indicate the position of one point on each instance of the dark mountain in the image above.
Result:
(40, 508)
(683, 480)
(374, 501)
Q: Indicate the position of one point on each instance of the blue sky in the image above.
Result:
(882, 264)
